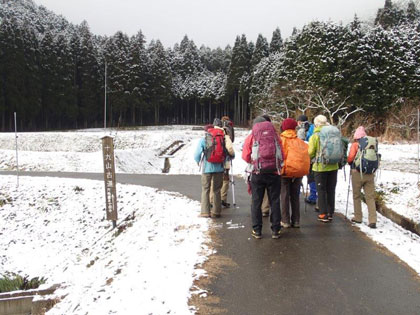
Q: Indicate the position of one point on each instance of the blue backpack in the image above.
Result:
(331, 149)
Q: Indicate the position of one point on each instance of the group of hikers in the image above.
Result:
(277, 163)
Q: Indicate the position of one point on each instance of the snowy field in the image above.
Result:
(55, 227)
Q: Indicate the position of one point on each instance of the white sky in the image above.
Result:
(209, 22)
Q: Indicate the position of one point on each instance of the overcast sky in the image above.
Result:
(210, 22)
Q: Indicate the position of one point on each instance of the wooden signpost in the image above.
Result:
(109, 177)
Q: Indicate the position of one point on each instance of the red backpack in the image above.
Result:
(266, 153)
(215, 150)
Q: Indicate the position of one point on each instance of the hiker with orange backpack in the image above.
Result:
(296, 165)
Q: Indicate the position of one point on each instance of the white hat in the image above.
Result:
(320, 120)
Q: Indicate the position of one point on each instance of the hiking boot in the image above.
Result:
(312, 202)
(285, 225)
(372, 225)
(276, 234)
(316, 209)
(225, 204)
(256, 234)
(295, 225)
(330, 217)
(205, 215)
(265, 214)
(323, 218)
(353, 220)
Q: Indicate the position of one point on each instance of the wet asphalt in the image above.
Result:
(321, 268)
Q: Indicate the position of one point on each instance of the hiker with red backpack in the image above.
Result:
(212, 151)
(296, 165)
(262, 149)
(325, 146)
(364, 161)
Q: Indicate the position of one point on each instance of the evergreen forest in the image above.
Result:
(54, 74)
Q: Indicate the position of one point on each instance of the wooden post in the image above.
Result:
(17, 160)
(109, 178)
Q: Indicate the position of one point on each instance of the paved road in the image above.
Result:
(317, 269)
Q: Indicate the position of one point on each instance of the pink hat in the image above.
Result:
(359, 133)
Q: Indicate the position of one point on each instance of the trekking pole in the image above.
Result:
(304, 195)
(232, 183)
(348, 192)
(201, 163)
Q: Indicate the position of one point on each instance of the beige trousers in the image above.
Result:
(211, 182)
(224, 190)
(367, 182)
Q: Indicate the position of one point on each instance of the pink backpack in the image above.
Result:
(266, 153)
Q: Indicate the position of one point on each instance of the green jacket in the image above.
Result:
(313, 149)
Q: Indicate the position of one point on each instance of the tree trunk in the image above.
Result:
(133, 115)
(195, 111)
(3, 121)
(141, 116)
(156, 114)
(188, 112)
(210, 112)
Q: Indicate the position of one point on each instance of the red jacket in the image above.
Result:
(353, 151)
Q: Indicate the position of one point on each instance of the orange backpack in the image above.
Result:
(296, 162)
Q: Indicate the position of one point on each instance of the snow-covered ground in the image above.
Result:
(56, 228)
(135, 151)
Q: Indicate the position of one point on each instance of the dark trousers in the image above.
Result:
(325, 186)
(289, 198)
(260, 182)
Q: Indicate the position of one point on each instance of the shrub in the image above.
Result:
(13, 282)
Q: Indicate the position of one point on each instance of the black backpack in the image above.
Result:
(228, 127)
(345, 141)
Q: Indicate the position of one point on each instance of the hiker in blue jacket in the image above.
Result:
(211, 172)
(304, 132)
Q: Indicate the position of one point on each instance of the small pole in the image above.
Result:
(348, 192)
(105, 100)
(17, 160)
(232, 182)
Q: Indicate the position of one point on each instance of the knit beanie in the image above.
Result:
(320, 120)
(217, 122)
(302, 118)
(266, 117)
(288, 123)
(359, 133)
(258, 119)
